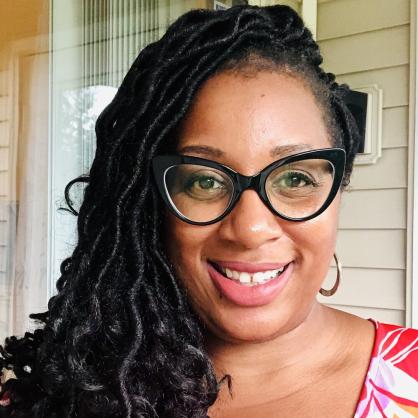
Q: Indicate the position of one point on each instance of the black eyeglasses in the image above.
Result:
(296, 188)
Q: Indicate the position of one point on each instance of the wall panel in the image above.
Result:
(4, 80)
(373, 209)
(389, 172)
(4, 159)
(4, 109)
(371, 248)
(395, 127)
(4, 133)
(395, 52)
(4, 184)
(394, 81)
(366, 283)
(389, 316)
(348, 17)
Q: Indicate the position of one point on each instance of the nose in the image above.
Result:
(250, 224)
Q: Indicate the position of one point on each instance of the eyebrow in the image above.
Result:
(289, 149)
(203, 150)
(209, 151)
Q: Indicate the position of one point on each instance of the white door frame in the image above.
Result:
(412, 226)
(19, 50)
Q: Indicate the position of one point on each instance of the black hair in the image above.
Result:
(120, 338)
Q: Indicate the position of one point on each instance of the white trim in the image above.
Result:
(218, 5)
(411, 314)
(18, 50)
(50, 287)
(309, 15)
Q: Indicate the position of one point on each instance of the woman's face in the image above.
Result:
(247, 123)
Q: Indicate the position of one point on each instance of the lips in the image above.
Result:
(255, 295)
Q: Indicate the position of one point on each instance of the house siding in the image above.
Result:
(294, 4)
(363, 43)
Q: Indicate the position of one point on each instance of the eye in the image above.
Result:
(294, 179)
(205, 185)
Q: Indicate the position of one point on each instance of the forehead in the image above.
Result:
(247, 117)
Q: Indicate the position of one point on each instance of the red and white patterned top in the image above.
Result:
(390, 388)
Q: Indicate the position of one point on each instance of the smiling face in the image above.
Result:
(247, 123)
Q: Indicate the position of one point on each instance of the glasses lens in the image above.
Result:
(199, 193)
(299, 189)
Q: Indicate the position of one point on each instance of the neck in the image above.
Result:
(304, 349)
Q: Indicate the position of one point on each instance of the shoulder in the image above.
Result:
(396, 344)
(391, 383)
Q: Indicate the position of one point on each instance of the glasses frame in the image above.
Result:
(257, 182)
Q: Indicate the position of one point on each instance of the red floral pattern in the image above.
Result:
(390, 389)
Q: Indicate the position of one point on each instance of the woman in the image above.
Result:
(207, 228)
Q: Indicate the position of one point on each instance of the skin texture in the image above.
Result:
(291, 340)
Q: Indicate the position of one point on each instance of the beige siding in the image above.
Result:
(365, 282)
(350, 17)
(363, 43)
(4, 109)
(4, 184)
(395, 127)
(389, 172)
(4, 132)
(4, 233)
(393, 316)
(374, 209)
(394, 81)
(372, 248)
(4, 159)
(368, 44)
(294, 4)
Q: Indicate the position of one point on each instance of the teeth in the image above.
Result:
(251, 278)
(245, 277)
(258, 277)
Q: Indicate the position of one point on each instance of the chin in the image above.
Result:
(255, 325)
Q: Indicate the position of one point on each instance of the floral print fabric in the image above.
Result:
(390, 388)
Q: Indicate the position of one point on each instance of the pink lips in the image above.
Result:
(257, 295)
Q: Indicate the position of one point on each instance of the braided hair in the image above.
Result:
(120, 338)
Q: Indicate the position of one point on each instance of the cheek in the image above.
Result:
(181, 237)
(184, 244)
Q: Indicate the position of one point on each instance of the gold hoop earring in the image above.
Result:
(334, 288)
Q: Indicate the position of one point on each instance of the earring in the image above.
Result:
(334, 288)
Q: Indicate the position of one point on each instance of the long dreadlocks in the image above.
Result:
(120, 338)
